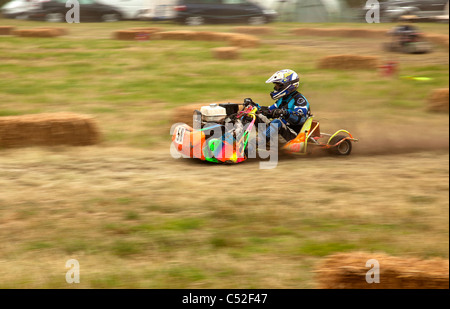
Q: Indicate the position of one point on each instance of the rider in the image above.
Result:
(405, 33)
(291, 108)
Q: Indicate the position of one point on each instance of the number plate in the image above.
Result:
(180, 135)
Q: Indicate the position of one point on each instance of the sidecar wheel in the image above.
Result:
(343, 149)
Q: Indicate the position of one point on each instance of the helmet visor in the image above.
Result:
(278, 86)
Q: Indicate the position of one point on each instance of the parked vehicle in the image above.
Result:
(197, 12)
(392, 10)
(130, 9)
(19, 8)
(158, 10)
(90, 10)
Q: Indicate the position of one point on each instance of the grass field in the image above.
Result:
(134, 217)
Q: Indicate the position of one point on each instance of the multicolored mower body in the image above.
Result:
(228, 141)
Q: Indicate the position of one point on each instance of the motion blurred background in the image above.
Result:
(86, 172)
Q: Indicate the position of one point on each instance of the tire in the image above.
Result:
(343, 149)
(256, 20)
(194, 21)
(421, 48)
(21, 17)
(111, 17)
(55, 17)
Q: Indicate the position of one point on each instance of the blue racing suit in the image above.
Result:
(298, 111)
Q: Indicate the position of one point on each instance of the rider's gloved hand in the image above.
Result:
(248, 101)
(278, 113)
(265, 110)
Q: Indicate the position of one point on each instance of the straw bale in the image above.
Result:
(438, 39)
(244, 41)
(6, 30)
(39, 32)
(438, 100)
(340, 32)
(348, 271)
(349, 62)
(48, 130)
(133, 33)
(253, 30)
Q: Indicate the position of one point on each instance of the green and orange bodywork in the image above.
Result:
(193, 143)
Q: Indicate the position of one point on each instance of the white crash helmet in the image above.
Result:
(285, 82)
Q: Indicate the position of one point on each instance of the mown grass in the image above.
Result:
(78, 74)
(138, 219)
(136, 232)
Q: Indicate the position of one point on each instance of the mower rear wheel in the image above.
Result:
(343, 149)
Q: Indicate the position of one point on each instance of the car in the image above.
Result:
(392, 10)
(19, 8)
(160, 10)
(132, 9)
(90, 10)
(197, 12)
(420, 8)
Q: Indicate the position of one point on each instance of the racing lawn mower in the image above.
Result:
(407, 39)
(222, 134)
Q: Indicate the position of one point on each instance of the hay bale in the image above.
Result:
(48, 130)
(348, 271)
(253, 30)
(176, 35)
(39, 32)
(6, 30)
(207, 36)
(226, 52)
(349, 62)
(438, 39)
(239, 40)
(135, 33)
(438, 101)
(244, 40)
(340, 32)
(224, 36)
(125, 35)
(147, 29)
(59, 30)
